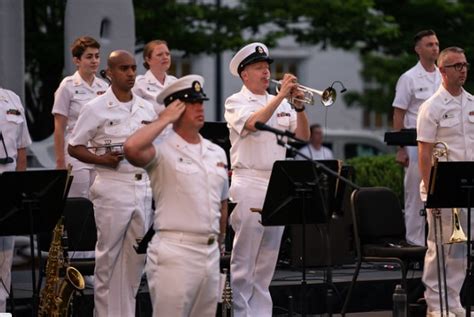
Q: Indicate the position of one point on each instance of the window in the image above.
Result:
(180, 66)
(373, 120)
(281, 66)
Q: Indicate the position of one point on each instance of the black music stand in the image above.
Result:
(451, 186)
(32, 202)
(298, 193)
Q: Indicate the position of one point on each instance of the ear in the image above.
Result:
(147, 59)
(417, 49)
(76, 61)
(442, 70)
(108, 72)
(244, 75)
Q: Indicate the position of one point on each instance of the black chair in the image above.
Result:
(79, 224)
(379, 233)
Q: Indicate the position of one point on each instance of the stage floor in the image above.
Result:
(372, 295)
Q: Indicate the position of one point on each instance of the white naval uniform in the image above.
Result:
(442, 118)
(255, 249)
(189, 182)
(148, 87)
(414, 87)
(15, 134)
(122, 202)
(323, 153)
(72, 94)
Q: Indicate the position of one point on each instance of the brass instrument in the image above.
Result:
(56, 296)
(328, 95)
(108, 146)
(440, 150)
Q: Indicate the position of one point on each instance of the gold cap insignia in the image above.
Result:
(197, 86)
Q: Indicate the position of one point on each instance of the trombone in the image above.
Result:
(440, 150)
(328, 95)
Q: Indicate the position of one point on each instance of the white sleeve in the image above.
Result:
(23, 138)
(86, 126)
(237, 112)
(62, 100)
(403, 92)
(427, 123)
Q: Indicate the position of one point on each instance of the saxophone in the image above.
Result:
(56, 296)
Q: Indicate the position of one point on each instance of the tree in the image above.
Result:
(383, 66)
(44, 60)
(380, 30)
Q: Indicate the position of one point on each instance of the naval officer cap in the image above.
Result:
(249, 54)
(187, 89)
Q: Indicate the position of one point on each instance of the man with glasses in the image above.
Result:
(448, 116)
(413, 88)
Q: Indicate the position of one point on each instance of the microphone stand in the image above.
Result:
(329, 283)
(7, 159)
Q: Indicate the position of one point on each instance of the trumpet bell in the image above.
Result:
(328, 97)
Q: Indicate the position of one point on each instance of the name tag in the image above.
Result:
(15, 112)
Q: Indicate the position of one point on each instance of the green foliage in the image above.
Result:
(380, 30)
(381, 170)
(383, 65)
(340, 23)
(197, 27)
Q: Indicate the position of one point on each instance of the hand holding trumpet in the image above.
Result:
(298, 94)
(289, 90)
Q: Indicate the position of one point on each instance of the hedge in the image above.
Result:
(381, 170)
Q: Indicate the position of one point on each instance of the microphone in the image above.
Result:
(103, 74)
(263, 127)
(5, 160)
(343, 89)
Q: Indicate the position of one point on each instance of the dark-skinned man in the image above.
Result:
(121, 193)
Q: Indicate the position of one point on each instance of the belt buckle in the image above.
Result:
(138, 177)
(211, 240)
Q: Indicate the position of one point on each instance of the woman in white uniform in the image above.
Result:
(72, 94)
(157, 61)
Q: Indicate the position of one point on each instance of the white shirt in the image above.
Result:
(148, 87)
(72, 94)
(188, 187)
(255, 150)
(13, 128)
(104, 120)
(323, 153)
(442, 118)
(413, 88)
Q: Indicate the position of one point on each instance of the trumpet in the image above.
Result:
(107, 147)
(328, 95)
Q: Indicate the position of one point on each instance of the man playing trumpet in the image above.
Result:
(253, 153)
(448, 117)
